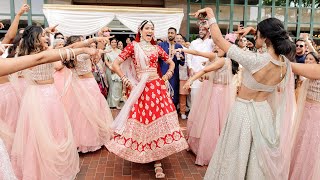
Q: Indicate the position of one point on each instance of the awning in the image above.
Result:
(87, 20)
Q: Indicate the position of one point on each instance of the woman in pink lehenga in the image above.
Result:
(61, 72)
(307, 142)
(147, 127)
(43, 146)
(212, 103)
(87, 108)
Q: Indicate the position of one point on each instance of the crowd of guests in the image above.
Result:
(236, 93)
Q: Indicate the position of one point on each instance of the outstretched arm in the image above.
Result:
(310, 71)
(12, 31)
(214, 29)
(87, 42)
(210, 55)
(11, 65)
(212, 67)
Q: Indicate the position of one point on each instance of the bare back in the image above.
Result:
(261, 73)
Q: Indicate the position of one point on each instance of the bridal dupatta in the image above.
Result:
(138, 83)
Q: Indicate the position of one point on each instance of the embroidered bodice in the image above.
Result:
(83, 65)
(252, 63)
(221, 75)
(314, 90)
(43, 72)
(152, 57)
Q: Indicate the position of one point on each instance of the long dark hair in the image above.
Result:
(31, 40)
(273, 30)
(13, 49)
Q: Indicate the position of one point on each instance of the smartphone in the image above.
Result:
(241, 23)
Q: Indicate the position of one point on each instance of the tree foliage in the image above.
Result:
(294, 3)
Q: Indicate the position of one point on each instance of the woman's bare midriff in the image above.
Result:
(84, 76)
(50, 81)
(249, 94)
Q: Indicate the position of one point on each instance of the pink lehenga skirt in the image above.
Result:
(206, 120)
(60, 78)
(89, 114)
(9, 110)
(307, 146)
(43, 146)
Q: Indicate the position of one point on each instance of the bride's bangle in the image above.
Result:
(212, 21)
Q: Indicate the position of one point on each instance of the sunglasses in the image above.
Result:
(301, 46)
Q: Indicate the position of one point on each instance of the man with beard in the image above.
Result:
(169, 47)
(197, 63)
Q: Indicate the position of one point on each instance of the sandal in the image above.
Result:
(159, 171)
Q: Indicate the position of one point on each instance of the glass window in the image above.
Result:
(292, 18)
(4, 7)
(279, 13)
(306, 13)
(224, 12)
(238, 13)
(195, 7)
(266, 12)
(316, 18)
(252, 13)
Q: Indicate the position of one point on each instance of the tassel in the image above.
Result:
(169, 89)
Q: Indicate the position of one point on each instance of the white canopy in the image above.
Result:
(87, 20)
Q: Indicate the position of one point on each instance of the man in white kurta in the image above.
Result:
(197, 63)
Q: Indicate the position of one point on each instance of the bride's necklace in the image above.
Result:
(146, 46)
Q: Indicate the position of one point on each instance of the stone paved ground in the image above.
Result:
(104, 165)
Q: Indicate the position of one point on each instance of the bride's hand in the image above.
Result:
(187, 85)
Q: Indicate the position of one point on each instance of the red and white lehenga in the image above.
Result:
(43, 146)
(147, 127)
(87, 108)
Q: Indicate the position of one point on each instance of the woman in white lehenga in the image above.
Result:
(254, 143)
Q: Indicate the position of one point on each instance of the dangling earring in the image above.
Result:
(264, 47)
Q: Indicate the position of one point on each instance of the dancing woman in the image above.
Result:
(43, 146)
(10, 90)
(212, 104)
(88, 111)
(254, 141)
(306, 147)
(147, 127)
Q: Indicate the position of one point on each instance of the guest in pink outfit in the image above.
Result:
(61, 72)
(306, 147)
(10, 88)
(211, 105)
(87, 108)
(43, 146)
